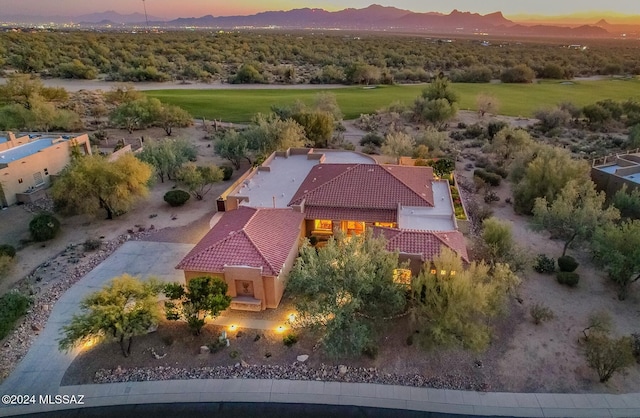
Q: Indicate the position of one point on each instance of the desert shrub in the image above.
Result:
(474, 131)
(636, 346)
(373, 139)
(176, 197)
(13, 305)
(608, 355)
(568, 264)
(544, 264)
(490, 197)
(502, 172)
(540, 313)
(494, 127)
(520, 73)
(490, 178)
(370, 149)
(370, 351)
(227, 172)
(44, 226)
(8, 250)
(216, 346)
(569, 278)
(290, 339)
(91, 244)
(6, 263)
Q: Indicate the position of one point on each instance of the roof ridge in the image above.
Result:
(304, 194)
(405, 184)
(190, 256)
(258, 249)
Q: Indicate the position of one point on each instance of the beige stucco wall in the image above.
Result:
(18, 176)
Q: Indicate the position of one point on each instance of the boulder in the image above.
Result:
(204, 350)
(302, 358)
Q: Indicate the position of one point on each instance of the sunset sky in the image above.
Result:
(172, 8)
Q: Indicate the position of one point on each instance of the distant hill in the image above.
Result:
(374, 17)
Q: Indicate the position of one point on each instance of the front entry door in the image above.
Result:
(244, 288)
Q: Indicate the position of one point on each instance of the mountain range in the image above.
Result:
(374, 17)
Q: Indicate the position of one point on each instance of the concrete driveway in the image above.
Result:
(42, 369)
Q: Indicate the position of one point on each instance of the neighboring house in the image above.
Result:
(252, 250)
(611, 173)
(313, 194)
(28, 162)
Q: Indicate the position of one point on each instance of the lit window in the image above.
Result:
(386, 224)
(402, 276)
(323, 225)
(433, 271)
(443, 272)
(453, 273)
(353, 227)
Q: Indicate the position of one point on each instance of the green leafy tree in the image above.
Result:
(167, 156)
(634, 136)
(438, 103)
(121, 310)
(200, 297)
(451, 304)
(233, 146)
(628, 203)
(544, 175)
(442, 167)
(318, 126)
(92, 183)
(199, 179)
(574, 214)
(171, 116)
(509, 142)
(398, 144)
(269, 133)
(617, 248)
(132, 115)
(608, 355)
(344, 290)
(497, 245)
(248, 74)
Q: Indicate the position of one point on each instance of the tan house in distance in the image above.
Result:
(28, 162)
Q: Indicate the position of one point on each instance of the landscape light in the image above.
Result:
(233, 327)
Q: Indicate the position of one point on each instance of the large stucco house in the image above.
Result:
(27, 163)
(306, 193)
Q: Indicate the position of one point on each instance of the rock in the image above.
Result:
(342, 369)
(152, 328)
(35, 327)
(302, 358)
(244, 364)
(204, 350)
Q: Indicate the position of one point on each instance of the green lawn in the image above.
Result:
(515, 99)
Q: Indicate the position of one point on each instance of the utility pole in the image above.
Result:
(146, 18)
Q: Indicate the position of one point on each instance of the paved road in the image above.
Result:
(41, 371)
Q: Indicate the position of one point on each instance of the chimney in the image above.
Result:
(12, 136)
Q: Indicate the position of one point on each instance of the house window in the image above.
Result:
(386, 224)
(402, 276)
(323, 225)
(37, 177)
(353, 227)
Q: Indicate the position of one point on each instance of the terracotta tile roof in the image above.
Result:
(365, 186)
(248, 237)
(426, 243)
